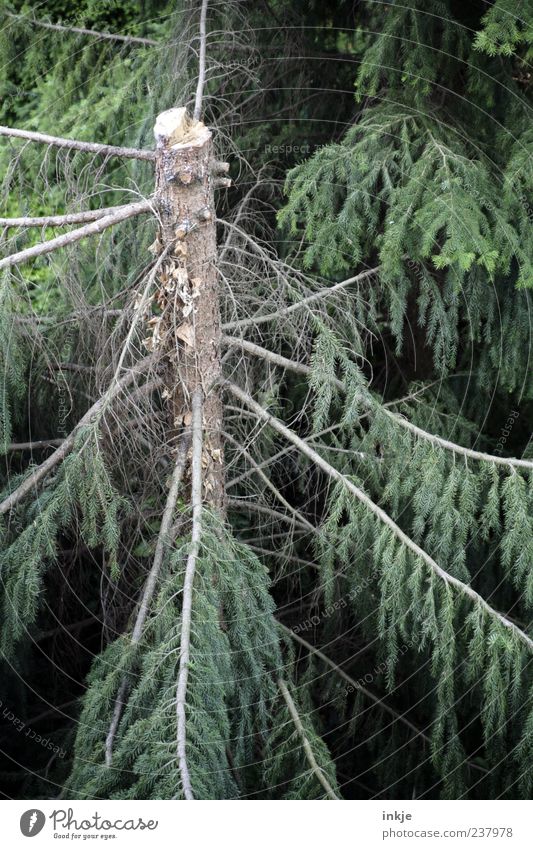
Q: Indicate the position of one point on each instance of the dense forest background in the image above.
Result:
(388, 142)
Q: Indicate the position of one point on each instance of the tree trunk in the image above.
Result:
(188, 329)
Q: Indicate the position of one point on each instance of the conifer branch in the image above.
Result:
(186, 610)
(164, 540)
(300, 368)
(93, 229)
(361, 496)
(61, 220)
(201, 63)
(305, 742)
(75, 144)
(108, 36)
(68, 443)
(353, 683)
(458, 449)
(316, 296)
(399, 717)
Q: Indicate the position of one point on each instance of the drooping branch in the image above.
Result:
(108, 36)
(164, 540)
(61, 220)
(353, 683)
(301, 368)
(75, 144)
(457, 449)
(201, 63)
(361, 496)
(93, 229)
(68, 443)
(305, 742)
(399, 717)
(186, 609)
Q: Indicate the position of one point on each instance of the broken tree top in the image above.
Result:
(175, 127)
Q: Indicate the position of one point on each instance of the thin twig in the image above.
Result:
(93, 229)
(361, 496)
(75, 144)
(305, 742)
(201, 63)
(186, 610)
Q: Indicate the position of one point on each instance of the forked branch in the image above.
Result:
(93, 229)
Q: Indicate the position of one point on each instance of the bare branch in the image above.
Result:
(163, 541)
(186, 610)
(266, 480)
(252, 507)
(61, 220)
(120, 214)
(34, 446)
(126, 39)
(201, 70)
(322, 293)
(305, 742)
(67, 444)
(361, 496)
(74, 144)
(271, 357)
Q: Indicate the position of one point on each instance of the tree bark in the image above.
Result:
(188, 328)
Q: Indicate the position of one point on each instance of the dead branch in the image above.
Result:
(201, 69)
(74, 144)
(61, 220)
(322, 293)
(67, 444)
(34, 446)
(93, 229)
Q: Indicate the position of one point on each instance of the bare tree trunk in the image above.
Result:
(189, 329)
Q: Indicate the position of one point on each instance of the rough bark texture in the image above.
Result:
(189, 327)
